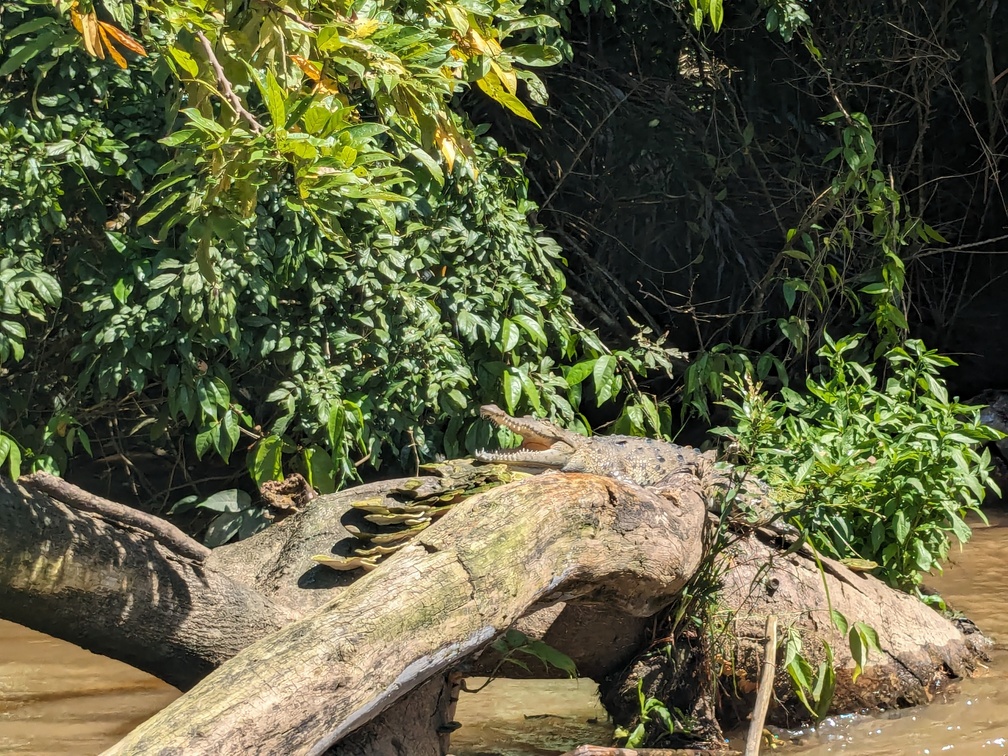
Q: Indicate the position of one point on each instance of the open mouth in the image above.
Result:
(530, 441)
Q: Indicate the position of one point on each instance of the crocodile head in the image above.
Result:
(544, 446)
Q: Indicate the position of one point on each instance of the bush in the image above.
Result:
(240, 230)
(875, 462)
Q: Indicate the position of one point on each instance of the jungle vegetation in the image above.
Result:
(314, 235)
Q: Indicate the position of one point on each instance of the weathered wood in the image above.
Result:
(76, 498)
(755, 736)
(921, 649)
(121, 592)
(466, 579)
(118, 589)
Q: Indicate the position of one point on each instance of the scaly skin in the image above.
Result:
(644, 461)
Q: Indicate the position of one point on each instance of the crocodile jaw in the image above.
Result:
(544, 446)
(553, 458)
(536, 434)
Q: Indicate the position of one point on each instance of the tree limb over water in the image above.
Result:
(307, 658)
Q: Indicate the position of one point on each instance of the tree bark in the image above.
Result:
(445, 596)
(121, 592)
(920, 649)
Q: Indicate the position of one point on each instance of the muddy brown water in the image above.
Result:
(56, 698)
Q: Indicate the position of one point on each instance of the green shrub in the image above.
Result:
(874, 462)
(274, 237)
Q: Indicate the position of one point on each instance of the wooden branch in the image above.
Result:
(755, 737)
(161, 530)
(117, 591)
(226, 90)
(290, 14)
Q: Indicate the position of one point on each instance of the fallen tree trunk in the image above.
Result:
(113, 585)
(121, 592)
(920, 650)
(464, 581)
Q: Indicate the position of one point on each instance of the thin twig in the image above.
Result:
(755, 737)
(290, 14)
(225, 88)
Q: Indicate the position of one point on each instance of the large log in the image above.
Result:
(920, 649)
(465, 580)
(118, 590)
(121, 585)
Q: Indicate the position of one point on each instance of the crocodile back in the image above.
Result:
(643, 461)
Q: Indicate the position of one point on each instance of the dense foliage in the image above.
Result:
(272, 231)
(874, 463)
(262, 227)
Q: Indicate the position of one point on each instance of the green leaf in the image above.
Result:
(535, 55)
(603, 375)
(430, 164)
(716, 11)
(580, 371)
(205, 124)
(532, 327)
(274, 97)
(18, 56)
(334, 428)
(512, 389)
(320, 468)
(839, 621)
(267, 460)
(222, 529)
(231, 500)
(540, 21)
(531, 392)
(205, 440)
(922, 557)
(509, 336)
(491, 84)
(213, 395)
(901, 526)
(10, 453)
(30, 26)
(121, 11)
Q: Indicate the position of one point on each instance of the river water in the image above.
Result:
(56, 698)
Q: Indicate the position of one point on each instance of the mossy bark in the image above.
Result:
(439, 600)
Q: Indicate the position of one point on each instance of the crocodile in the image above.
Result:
(647, 462)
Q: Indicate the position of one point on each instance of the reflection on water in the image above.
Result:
(58, 699)
(533, 718)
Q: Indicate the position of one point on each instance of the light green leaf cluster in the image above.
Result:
(875, 462)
